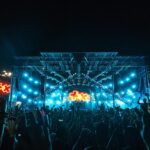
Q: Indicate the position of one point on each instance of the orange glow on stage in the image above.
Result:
(4, 88)
(79, 96)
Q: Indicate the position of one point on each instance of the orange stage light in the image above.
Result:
(78, 96)
(4, 88)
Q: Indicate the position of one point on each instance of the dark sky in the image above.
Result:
(28, 28)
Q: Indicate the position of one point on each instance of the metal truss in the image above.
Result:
(86, 69)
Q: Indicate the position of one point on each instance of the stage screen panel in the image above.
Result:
(78, 96)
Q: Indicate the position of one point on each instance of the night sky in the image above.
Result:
(30, 28)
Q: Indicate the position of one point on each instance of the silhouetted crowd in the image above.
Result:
(75, 129)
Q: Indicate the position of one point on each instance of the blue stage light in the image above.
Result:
(52, 87)
(105, 87)
(127, 79)
(122, 92)
(60, 86)
(129, 100)
(30, 79)
(134, 97)
(40, 102)
(64, 101)
(50, 101)
(110, 85)
(53, 94)
(47, 85)
(46, 102)
(116, 93)
(104, 94)
(119, 102)
(58, 102)
(58, 94)
(99, 102)
(35, 93)
(24, 96)
(121, 82)
(129, 92)
(29, 90)
(24, 86)
(133, 86)
(36, 82)
(14, 96)
(65, 94)
(132, 74)
(92, 94)
(87, 102)
(29, 100)
(25, 74)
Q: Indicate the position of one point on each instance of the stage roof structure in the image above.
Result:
(88, 69)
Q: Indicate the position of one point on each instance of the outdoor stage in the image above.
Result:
(103, 77)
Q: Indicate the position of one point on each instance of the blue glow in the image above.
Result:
(105, 87)
(60, 86)
(35, 93)
(30, 79)
(53, 94)
(58, 94)
(36, 82)
(104, 94)
(110, 85)
(64, 101)
(40, 102)
(29, 100)
(29, 90)
(24, 96)
(50, 101)
(47, 85)
(87, 102)
(129, 100)
(46, 102)
(35, 102)
(25, 74)
(134, 97)
(58, 102)
(99, 102)
(94, 102)
(121, 82)
(133, 86)
(127, 79)
(65, 94)
(52, 87)
(132, 74)
(119, 102)
(24, 86)
(129, 92)
(117, 93)
(122, 92)
(14, 96)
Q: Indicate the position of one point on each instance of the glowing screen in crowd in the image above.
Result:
(4, 88)
(78, 96)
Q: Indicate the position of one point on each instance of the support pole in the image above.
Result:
(113, 93)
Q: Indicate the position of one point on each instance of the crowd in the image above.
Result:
(75, 129)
